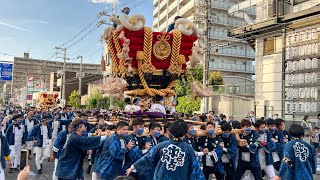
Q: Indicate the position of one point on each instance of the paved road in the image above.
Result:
(49, 166)
(46, 172)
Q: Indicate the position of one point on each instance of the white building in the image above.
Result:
(287, 53)
(234, 61)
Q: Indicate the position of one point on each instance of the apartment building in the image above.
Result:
(234, 58)
(25, 67)
(287, 46)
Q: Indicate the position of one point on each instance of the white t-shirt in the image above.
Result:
(262, 155)
(132, 108)
(44, 133)
(29, 125)
(173, 109)
(55, 125)
(18, 134)
(158, 108)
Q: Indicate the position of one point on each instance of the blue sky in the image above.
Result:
(38, 26)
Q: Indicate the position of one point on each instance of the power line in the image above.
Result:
(95, 52)
(83, 37)
(83, 30)
(86, 47)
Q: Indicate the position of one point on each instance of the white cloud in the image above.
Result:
(12, 26)
(35, 21)
(104, 1)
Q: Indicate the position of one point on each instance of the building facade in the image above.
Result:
(287, 54)
(234, 58)
(72, 83)
(40, 71)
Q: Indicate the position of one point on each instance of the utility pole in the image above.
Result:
(64, 73)
(207, 53)
(245, 70)
(80, 78)
(80, 74)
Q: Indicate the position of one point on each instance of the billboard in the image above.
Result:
(5, 72)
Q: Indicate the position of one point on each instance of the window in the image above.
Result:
(278, 44)
(268, 46)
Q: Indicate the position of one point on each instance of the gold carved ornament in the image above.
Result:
(150, 91)
(113, 57)
(121, 67)
(175, 62)
(162, 49)
(147, 66)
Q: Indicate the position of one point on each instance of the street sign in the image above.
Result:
(5, 72)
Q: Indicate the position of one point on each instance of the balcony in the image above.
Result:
(241, 68)
(221, 5)
(162, 27)
(227, 21)
(163, 5)
(187, 9)
(171, 19)
(155, 12)
(233, 52)
(173, 6)
(222, 35)
(155, 3)
(163, 15)
(155, 22)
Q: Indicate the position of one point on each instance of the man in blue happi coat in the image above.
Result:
(286, 137)
(277, 138)
(100, 127)
(30, 122)
(56, 125)
(166, 136)
(57, 148)
(16, 135)
(229, 151)
(4, 155)
(154, 134)
(190, 139)
(84, 118)
(41, 135)
(109, 163)
(71, 158)
(300, 159)
(171, 160)
(266, 146)
(248, 152)
(64, 115)
(139, 149)
(212, 147)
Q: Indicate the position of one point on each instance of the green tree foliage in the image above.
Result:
(183, 89)
(118, 103)
(215, 79)
(96, 100)
(75, 99)
(197, 73)
(188, 105)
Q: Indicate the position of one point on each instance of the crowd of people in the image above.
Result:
(220, 147)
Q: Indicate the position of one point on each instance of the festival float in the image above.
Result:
(46, 100)
(147, 63)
